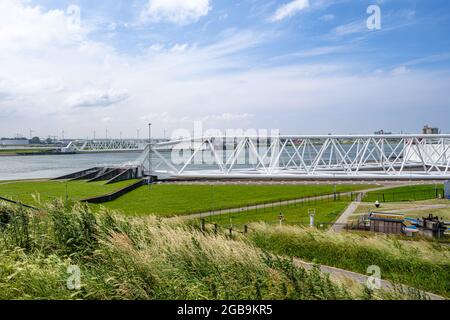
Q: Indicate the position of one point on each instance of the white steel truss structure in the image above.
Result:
(302, 157)
(105, 145)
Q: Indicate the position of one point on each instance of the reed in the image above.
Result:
(144, 258)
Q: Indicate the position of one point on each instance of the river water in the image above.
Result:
(52, 166)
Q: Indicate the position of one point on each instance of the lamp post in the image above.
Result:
(149, 154)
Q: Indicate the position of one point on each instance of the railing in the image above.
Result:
(404, 196)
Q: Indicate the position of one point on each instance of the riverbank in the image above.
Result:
(27, 152)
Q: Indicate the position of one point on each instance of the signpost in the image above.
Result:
(281, 218)
(312, 215)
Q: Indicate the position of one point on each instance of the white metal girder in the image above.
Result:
(331, 156)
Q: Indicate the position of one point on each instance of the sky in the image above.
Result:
(300, 66)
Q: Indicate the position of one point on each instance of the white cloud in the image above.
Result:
(29, 26)
(175, 11)
(290, 9)
(327, 17)
(164, 117)
(350, 28)
(399, 71)
(228, 117)
(96, 98)
(179, 48)
(39, 91)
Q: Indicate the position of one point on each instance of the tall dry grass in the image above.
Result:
(145, 258)
(420, 264)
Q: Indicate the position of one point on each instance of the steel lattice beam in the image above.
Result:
(304, 157)
(106, 145)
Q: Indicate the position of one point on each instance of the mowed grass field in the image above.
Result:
(27, 191)
(406, 193)
(175, 199)
(325, 212)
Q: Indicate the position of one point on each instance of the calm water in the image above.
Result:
(48, 166)
(51, 166)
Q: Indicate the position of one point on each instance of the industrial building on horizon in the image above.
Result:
(430, 130)
(19, 141)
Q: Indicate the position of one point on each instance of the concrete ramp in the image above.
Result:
(110, 174)
(106, 174)
(79, 174)
(115, 195)
(131, 173)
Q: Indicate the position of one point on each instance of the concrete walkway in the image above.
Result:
(359, 278)
(341, 222)
(420, 208)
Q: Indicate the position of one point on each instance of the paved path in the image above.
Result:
(360, 278)
(420, 208)
(341, 222)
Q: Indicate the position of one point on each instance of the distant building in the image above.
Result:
(14, 142)
(430, 130)
(386, 222)
(382, 132)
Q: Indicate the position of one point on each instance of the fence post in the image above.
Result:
(215, 228)
(203, 225)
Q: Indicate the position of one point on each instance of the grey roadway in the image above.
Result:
(360, 278)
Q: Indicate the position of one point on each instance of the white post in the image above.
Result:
(149, 153)
(311, 220)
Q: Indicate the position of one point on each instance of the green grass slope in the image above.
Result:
(174, 199)
(298, 214)
(25, 191)
(406, 193)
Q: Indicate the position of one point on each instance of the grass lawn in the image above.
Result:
(326, 212)
(406, 193)
(48, 190)
(174, 199)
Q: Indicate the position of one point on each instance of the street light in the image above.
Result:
(149, 154)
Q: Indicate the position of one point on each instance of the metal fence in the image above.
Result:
(418, 195)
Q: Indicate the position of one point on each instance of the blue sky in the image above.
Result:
(302, 66)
